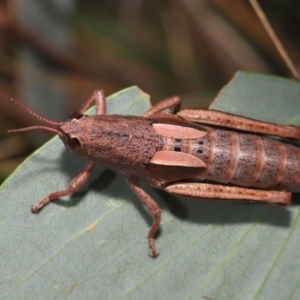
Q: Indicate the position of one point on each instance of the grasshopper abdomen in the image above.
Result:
(243, 160)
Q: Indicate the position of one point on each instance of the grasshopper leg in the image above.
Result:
(98, 97)
(163, 105)
(217, 191)
(218, 118)
(153, 208)
(74, 185)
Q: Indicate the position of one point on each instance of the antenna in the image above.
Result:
(35, 114)
(33, 128)
(38, 127)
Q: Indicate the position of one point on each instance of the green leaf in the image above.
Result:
(93, 244)
(266, 98)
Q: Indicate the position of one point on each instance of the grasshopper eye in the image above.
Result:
(74, 144)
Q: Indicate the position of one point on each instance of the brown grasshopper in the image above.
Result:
(177, 153)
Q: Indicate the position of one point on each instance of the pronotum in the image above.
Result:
(180, 154)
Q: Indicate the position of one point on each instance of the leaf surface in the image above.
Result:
(93, 244)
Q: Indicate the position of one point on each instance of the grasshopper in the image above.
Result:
(179, 153)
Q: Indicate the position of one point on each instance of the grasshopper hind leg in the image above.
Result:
(218, 191)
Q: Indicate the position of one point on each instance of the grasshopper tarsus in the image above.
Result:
(152, 247)
(154, 253)
(34, 209)
(37, 208)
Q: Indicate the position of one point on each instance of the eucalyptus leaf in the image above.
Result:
(93, 244)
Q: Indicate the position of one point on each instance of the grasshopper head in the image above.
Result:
(76, 133)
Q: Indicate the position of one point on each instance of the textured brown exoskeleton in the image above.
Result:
(175, 152)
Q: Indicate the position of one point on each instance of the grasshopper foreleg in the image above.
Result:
(98, 98)
(74, 186)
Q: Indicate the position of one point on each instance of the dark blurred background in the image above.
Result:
(55, 53)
